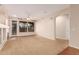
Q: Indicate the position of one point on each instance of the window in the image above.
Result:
(26, 26)
(30, 27)
(23, 26)
(14, 27)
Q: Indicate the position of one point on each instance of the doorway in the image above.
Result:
(62, 27)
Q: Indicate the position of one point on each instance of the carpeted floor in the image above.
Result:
(33, 45)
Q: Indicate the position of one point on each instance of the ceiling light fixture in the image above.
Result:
(28, 18)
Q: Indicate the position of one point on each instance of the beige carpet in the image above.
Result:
(33, 45)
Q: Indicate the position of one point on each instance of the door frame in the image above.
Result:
(55, 25)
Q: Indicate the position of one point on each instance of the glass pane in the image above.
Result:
(30, 27)
(14, 27)
(22, 26)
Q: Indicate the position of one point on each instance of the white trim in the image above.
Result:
(3, 26)
(74, 46)
(69, 26)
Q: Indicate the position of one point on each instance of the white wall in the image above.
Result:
(74, 41)
(2, 15)
(45, 28)
(62, 29)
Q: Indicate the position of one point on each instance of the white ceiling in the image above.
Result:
(33, 10)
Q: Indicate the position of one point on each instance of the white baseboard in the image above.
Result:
(74, 46)
(52, 38)
(62, 38)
